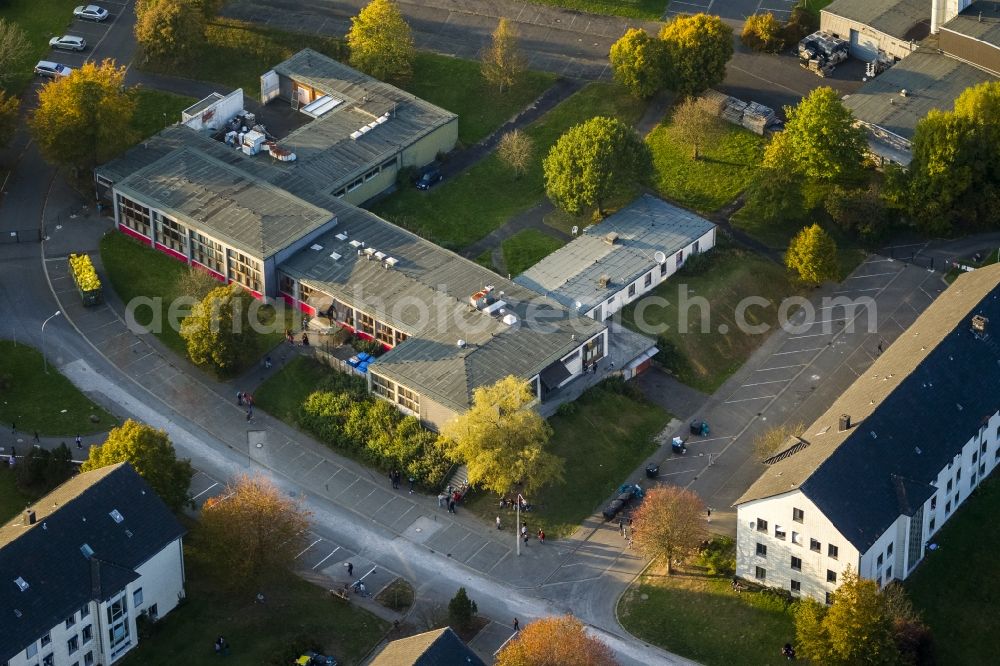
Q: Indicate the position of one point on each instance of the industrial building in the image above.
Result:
(888, 29)
(870, 483)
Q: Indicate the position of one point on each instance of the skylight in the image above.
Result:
(87, 551)
(116, 516)
(21, 583)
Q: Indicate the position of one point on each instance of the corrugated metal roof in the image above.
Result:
(573, 273)
(228, 203)
(932, 81)
(986, 29)
(912, 411)
(896, 18)
(426, 295)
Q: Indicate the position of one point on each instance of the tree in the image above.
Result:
(593, 160)
(217, 331)
(775, 196)
(152, 455)
(697, 49)
(42, 470)
(9, 107)
(14, 48)
(169, 30)
(812, 255)
(820, 140)
(502, 440)
(694, 124)
(195, 283)
(84, 119)
(772, 440)
(858, 210)
(670, 523)
(461, 610)
(554, 641)
(811, 640)
(502, 63)
(380, 41)
(254, 532)
(763, 32)
(516, 150)
(638, 62)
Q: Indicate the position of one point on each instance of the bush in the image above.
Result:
(696, 264)
(858, 211)
(461, 611)
(566, 409)
(763, 32)
(718, 556)
(801, 22)
(42, 470)
(373, 347)
(617, 384)
(669, 356)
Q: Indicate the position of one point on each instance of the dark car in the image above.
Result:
(428, 177)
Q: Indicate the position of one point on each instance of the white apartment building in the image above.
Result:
(82, 566)
(872, 480)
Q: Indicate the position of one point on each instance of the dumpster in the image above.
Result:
(677, 445)
(652, 471)
(699, 428)
(85, 278)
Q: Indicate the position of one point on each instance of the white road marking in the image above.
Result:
(316, 566)
(797, 351)
(729, 402)
(307, 548)
(780, 367)
(205, 490)
(855, 277)
(775, 381)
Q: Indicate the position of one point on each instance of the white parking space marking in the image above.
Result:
(773, 381)
(797, 351)
(811, 335)
(855, 277)
(781, 367)
(316, 566)
(307, 548)
(760, 397)
(849, 291)
(205, 490)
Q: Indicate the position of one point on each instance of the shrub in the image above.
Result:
(617, 384)
(669, 356)
(373, 347)
(696, 264)
(42, 470)
(566, 409)
(763, 32)
(718, 556)
(801, 22)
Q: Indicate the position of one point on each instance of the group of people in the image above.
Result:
(508, 503)
(290, 337)
(450, 498)
(524, 532)
(395, 477)
(245, 400)
(221, 646)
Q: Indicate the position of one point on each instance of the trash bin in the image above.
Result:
(652, 471)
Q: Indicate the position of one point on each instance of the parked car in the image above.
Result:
(68, 43)
(428, 177)
(52, 70)
(91, 13)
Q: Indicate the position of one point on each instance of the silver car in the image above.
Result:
(68, 43)
(52, 70)
(91, 12)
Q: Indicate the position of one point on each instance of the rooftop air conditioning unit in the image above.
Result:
(341, 236)
(611, 237)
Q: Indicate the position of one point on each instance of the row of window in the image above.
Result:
(832, 551)
(342, 312)
(395, 393)
(760, 573)
(134, 216)
(360, 180)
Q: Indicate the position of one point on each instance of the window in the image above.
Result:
(71, 620)
(340, 193)
(796, 563)
(171, 234)
(832, 551)
(208, 253)
(663, 269)
(796, 538)
(760, 573)
(88, 659)
(831, 576)
(762, 526)
(815, 546)
(761, 550)
(88, 633)
(631, 290)
(829, 598)
(154, 613)
(383, 387)
(982, 449)
(367, 324)
(119, 639)
(933, 502)
(245, 270)
(975, 456)
(879, 560)
(355, 185)
(888, 551)
(982, 469)
(408, 399)
(888, 573)
(680, 258)
(46, 639)
(796, 586)
(949, 486)
(958, 475)
(31, 650)
(73, 644)
(593, 350)
(947, 507)
(85, 611)
(694, 248)
(133, 216)
(931, 526)
(389, 164)
(49, 660)
(371, 174)
(779, 532)
(137, 598)
(648, 280)
(797, 515)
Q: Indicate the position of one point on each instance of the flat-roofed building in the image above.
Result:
(887, 29)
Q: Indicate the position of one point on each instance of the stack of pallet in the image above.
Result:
(733, 111)
(757, 116)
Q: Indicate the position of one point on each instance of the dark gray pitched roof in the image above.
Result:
(441, 647)
(47, 555)
(913, 410)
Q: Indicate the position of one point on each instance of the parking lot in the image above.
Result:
(733, 10)
(94, 32)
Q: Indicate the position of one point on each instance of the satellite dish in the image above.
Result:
(578, 304)
(660, 257)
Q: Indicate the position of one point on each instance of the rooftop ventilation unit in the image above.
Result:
(381, 119)
(335, 256)
(611, 237)
(979, 323)
(316, 247)
(29, 517)
(369, 251)
(510, 319)
(380, 255)
(845, 423)
(355, 135)
(357, 243)
(87, 551)
(341, 236)
(461, 344)
(391, 261)
(604, 281)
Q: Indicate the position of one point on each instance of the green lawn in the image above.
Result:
(156, 109)
(526, 248)
(46, 403)
(725, 167)
(647, 9)
(698, 616)
(40, 20)
(12, 500)
(296, 614)
(607, 437)
(137, 271)
(961, 608)
(705, 359)
(283, 393)
(465, 208)
(485, 259)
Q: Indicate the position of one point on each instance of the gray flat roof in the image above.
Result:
(968, 23)
(902, 19)
(226, 202)
(324, 148)
(932, 81)
(430, 280)
(571, 274)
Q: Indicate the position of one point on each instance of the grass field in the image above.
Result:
(960, 608)
(40, 20)
(647, 9)
(705, 358)
(526, 248)
(465, 208)
(156, 109)
(296, 614)
(724, 169)
(698, 616)
(607, 437)
(46, 403)
(283, 393)
(137, 271)
(12, 500)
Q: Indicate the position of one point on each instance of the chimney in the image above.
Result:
(29, 517)
(845, 423)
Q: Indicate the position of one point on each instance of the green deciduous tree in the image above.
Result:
(9, 107)
(380, 41)
(858, 210)
(84, 119)
(152, 455)
(763, 32)
(252, 532)
(461, 610)
(169, 31)
(697, 50)
(694, 123)
(217, 331)
(812, 255)
(670, 523)
(638, 62)
(516, 150)
(503, 440)
(593, 160)
(14, 48)
(41, 470)
(820, 140)
(502, 63)
(555, 641)
(775, 197)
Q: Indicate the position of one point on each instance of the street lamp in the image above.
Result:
(45, 362)
(517, 525)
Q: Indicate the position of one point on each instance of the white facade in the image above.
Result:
(943, 11)
(652, 278)
(101, 633)
(866, 42)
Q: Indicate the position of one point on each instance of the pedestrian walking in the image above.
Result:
(247, 398)
(630, 543)
(524, 534)
(249, 415)
(267, 363)
(36, 437)
(350, 569)
(517, 625)
(239, 398)
(79, 442)
(541, 536)
(13, 428)
(621, 526)
(498, 522)
(451, 506)
(412, 480)
(709, 514)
